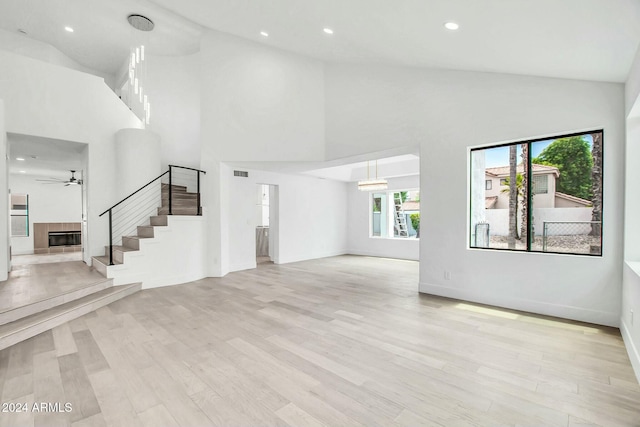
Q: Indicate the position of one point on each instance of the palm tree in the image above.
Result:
(520, 191)
(513, 198)
(524, 191)
(596, 182)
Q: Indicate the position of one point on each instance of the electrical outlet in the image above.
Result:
(447, 275)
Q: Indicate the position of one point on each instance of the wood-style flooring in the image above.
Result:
(344, 341)
(39, 280)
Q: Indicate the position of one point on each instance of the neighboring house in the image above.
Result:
(544, 189)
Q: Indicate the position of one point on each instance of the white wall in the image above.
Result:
(47, 203)
(260, 103)
(257, 103)
(173, 87)
(174, 255)
(4, 201)
(359, 242)
(26, 46)
(445, 112)
(632, 86)
(54, 102)
(311, 223)
(629, 326)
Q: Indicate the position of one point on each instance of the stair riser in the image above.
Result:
(157, 221)
(176, 188)
(178, 211)
(118, 255)
(21, 312)
(131, 243)
(47, 324)
(179, 195)
(145, 231)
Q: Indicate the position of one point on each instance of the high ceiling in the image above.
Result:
(578, 39)
(43, 157)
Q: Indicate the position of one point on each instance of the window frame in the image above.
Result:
(530, 194)
(389, 197)
(25, 216)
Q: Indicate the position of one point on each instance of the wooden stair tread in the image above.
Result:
(12, 314)
(104, 259)
(32, 325)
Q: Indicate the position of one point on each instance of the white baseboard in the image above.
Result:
(242, 266)
(283, 260)
(556, 310)
(378, 254)
(632, 350)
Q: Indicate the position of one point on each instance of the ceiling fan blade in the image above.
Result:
(51, 180)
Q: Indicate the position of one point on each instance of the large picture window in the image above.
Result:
(545, 196)
(395, 214)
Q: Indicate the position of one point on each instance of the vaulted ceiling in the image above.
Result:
(578, 39)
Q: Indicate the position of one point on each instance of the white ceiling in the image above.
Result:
(44, 157)
(102, 35)
(389, 167)
(579, 39)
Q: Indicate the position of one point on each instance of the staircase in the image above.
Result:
(128, 265)
(21, 323)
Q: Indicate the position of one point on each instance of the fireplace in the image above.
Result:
(64, 238)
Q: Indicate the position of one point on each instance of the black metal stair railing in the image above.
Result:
(175, 191)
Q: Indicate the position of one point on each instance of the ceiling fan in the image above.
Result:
(71, 181)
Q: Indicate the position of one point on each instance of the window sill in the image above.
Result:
(405, 239)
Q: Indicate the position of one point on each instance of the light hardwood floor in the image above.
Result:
(39, 280)
(343, 341)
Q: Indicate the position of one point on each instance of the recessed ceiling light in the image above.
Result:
(451, 26)
(68, 29)
(20, 158)
(264, 34)
(328, 30)
(23, 171)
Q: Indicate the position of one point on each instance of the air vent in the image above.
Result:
(243, 174)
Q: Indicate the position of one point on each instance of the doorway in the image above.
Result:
(266, 224)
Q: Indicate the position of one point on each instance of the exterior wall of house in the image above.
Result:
(564, 203)
(373, 108)
(539, 200)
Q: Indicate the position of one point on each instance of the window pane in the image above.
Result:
(567, 210)
(19, 225)
(379, 217)
(496, 212)
(19, 211)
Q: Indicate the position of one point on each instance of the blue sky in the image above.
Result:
(499, 156)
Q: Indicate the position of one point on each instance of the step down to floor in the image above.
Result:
(30, 326)
(17, 313)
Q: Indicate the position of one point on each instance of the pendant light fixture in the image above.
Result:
(137, 97)
(372, 184)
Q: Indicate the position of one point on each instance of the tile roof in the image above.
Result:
(504, 170)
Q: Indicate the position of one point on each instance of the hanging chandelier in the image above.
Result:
(372, 184)
(138, 100)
